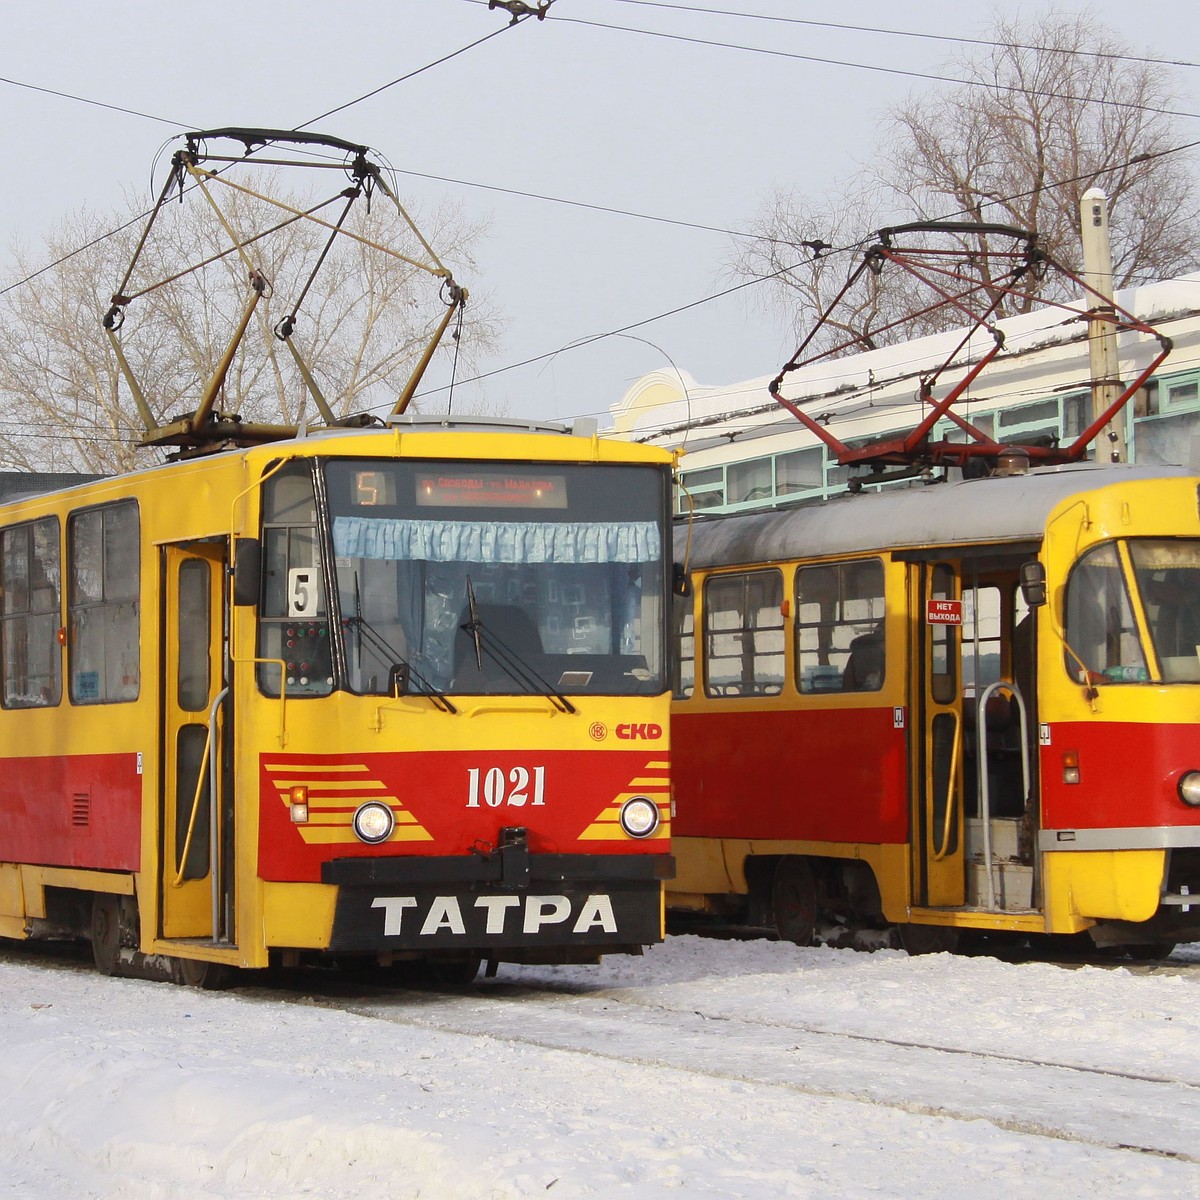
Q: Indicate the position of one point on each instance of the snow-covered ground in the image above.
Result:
(707, 1068)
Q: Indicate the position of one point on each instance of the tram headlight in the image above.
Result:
(639, 817)
(373, 822)
(1189, 789)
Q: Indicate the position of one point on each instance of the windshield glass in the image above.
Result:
(1102, 637)
(564, 563)
(1167, 571)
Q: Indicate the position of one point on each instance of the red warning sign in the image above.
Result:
(943, 612)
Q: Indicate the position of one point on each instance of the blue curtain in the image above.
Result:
(497, 541)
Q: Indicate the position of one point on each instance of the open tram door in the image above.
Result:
(196, 825)
(973, 781)
(938, 870)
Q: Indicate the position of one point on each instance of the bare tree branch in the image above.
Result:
(1048, 113)
(64, 404)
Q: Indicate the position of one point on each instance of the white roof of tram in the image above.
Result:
(990, 511)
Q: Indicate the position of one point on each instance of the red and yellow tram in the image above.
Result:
(968, 706)
(396, 693)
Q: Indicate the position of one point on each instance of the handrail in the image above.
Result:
(187, 841)
(214, 838)
(940, 854)
(985, 800)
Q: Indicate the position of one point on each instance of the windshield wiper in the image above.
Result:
(506, 658)
(400, 671)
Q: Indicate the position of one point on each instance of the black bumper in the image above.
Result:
(507, 899)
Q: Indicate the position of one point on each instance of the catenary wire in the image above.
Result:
(595, 337)
(906, 33)
(910, 74)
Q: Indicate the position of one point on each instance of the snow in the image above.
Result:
(708, 1068)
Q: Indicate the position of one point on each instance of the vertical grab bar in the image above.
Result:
(981, 773)
(214, 840)
(955, 751)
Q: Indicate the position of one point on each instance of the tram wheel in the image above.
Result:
(106, 932)
(930, 939)
(794, 901)
(194, 972)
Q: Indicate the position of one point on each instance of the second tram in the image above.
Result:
(961, 707)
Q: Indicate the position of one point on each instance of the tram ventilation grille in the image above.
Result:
(81, 809)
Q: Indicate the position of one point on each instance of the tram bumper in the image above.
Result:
(509, 904)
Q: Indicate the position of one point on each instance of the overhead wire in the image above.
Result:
(192, 125)
(622, 330)
(910, 74)
(907, 33)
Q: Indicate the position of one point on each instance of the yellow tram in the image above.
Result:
(388, 688)
(396, 693)
(963, 707)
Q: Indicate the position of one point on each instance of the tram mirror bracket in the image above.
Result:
(401, 674)
(681, 581)
(1033, 583)
(247, 570)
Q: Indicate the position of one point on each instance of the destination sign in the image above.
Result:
(490, 489)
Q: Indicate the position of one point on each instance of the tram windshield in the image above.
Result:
(1167, 571)
(487, 578)
(1104, 643)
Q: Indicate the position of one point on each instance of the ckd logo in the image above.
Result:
(647, 731)
(503, 914)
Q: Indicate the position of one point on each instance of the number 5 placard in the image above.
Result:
(304, 591)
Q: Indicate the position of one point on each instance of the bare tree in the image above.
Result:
(1057, 105)
(64, 404)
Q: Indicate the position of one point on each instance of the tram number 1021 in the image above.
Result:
(494, 788)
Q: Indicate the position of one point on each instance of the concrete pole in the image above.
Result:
(1102, 334)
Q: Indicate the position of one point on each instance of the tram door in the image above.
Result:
(193, 658)
(938, 867)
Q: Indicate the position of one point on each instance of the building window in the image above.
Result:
(1183, 393)
(840, 628)
(743, 634)
(702, 489)
(749, 481)
(103, 557)
(30, 585)
(800, 471)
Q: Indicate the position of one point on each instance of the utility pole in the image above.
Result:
(1102, 333)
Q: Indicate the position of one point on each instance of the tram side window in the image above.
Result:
(1101, 634)
(103, 558)
(30, 583)
(743, 634)
(685, 648)
(840, 628)
(293, 619)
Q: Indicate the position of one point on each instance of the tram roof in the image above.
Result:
(991, 511)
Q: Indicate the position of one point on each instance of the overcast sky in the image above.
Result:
(561, 108)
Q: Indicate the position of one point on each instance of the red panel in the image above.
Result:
(1127, 775)
(435, 788)
(837, 775)
(81, 810)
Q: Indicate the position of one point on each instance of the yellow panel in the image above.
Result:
(1121, 885)
(699, 867)
(79, 879)
(298, 915)
(315, 835)
(12, 902)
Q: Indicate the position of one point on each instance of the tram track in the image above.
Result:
(1157, 1114)
(1087, 1104)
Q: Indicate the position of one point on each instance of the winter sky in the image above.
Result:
(578, 107)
